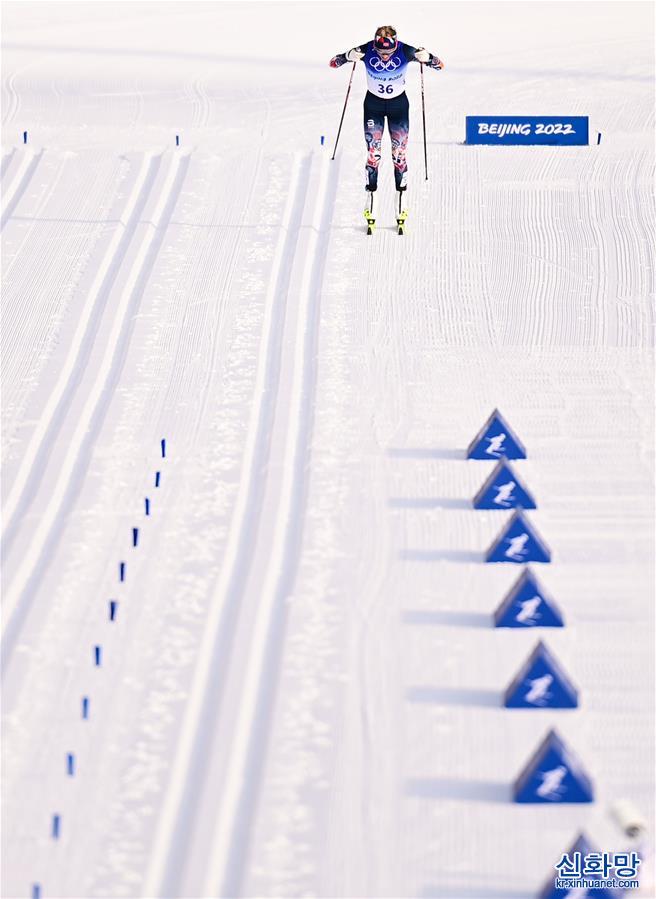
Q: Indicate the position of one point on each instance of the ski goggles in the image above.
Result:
(386, 45)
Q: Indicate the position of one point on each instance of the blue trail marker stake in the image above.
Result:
(598, 137)
(36, 891)
(135, 536)
(323, 138)
(113, 605)
(147, 506)
(24, 137)
(177, 140)
(56, 826)
(85, 706)
(97, 656)
(70, 764)
(121, 571)
(163, 443)
(158, 478)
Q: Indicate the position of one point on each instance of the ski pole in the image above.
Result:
(423, 115)
(339, 130)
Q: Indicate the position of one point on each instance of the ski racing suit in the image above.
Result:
(386, 98)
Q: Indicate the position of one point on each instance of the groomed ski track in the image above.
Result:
(300, 692)
(259, 568)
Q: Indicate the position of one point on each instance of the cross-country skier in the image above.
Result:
(386, 61)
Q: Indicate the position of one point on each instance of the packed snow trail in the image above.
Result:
(294, 279)
(300, 693)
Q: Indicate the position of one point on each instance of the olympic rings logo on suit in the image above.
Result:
(381, 65)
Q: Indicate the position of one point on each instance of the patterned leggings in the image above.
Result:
(375, 111)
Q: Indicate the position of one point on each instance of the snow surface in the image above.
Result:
(300, 695)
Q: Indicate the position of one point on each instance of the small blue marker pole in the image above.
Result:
(163, 443)
(70, 764)
(147, 505)
(598, 137)
(135, 536)
(24, 137)
(36, 891)
(97, 655)
(85, 707)
(323, 138)
(157, 478)
(113, 605)
(121, 571)
(177, 140)
(56, 826)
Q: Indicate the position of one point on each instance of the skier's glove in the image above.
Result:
(422, 55)
(355, 55)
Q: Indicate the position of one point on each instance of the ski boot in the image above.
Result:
(401, 215)
(369, 212)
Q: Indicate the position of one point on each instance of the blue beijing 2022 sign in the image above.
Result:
(509, 129)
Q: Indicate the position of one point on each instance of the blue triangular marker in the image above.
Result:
(518, 543)
(550, 890)
(581, 844)
(496, 439)
(553, 774)
(528, 605)
(541, 683)
(583, 847)
(503, 490)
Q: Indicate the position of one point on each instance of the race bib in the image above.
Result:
(386, 78)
